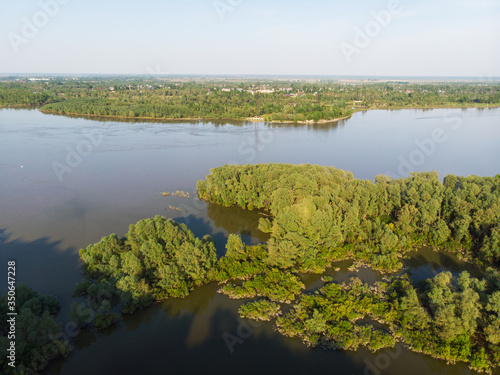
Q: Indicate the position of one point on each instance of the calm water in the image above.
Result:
(110, 174)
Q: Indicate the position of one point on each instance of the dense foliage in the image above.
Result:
(241, 262)
(15, 94)
(293, 101)
(36, 333)
(157, 259)
(320, 214)
(455, 319)
(317, 215)
(259, 310)
(274, 284)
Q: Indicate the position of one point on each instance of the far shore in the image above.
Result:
(251, 119)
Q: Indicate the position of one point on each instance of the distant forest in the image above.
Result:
(279, 101)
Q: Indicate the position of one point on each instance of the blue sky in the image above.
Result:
(315, 37)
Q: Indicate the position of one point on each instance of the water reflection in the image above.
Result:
(425, 263)
(239, 221)
(56, 260)
(46, 221)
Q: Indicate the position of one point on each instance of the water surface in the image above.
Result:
(117, 177)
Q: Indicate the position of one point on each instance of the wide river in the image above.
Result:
(66, 182)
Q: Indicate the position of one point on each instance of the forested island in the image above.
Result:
(317, 216)
(292, 101)
(324, 213)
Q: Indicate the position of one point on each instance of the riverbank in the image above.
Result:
(251, 119)
(163, 119)
(306, 122)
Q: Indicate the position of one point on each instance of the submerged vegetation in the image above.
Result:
(318, 215)
(280, 101)
(259, 310)
(455, 319)
(36, 335)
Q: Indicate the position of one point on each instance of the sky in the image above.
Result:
(252, 37)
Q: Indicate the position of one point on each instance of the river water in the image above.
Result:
(66, 182)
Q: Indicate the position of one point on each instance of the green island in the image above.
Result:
(317, 216)
(271, 100)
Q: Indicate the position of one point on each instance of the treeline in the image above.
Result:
(424, 95)
(200, 104)
(36, 334)
(17, 95)
(455, 319)
(320, 214)
(203, 99)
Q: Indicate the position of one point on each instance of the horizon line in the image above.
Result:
(179, 75)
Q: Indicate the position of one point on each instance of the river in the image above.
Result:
(66, 182)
